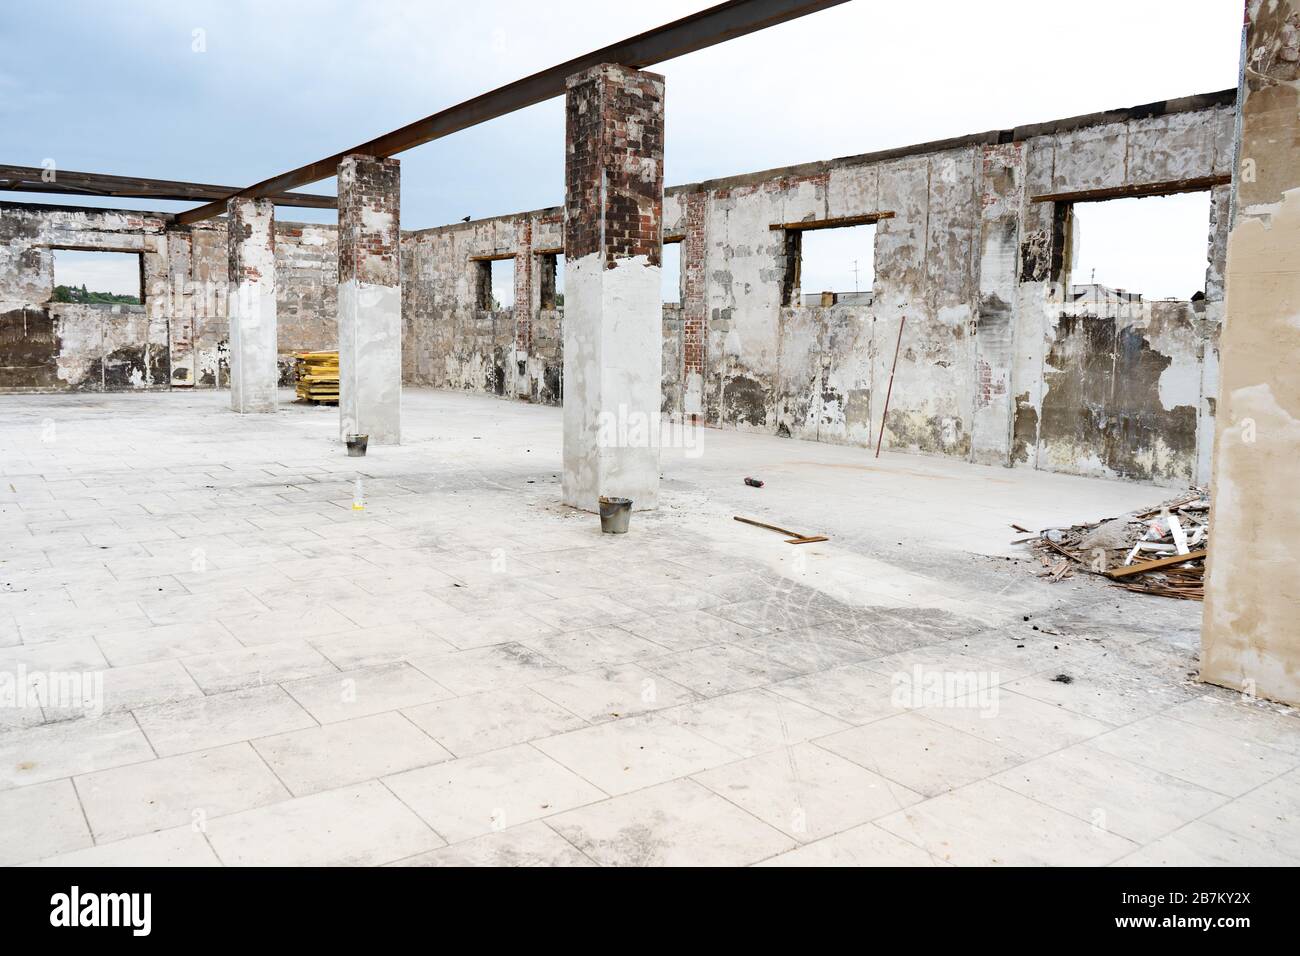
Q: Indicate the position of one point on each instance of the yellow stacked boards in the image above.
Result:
(318, 377)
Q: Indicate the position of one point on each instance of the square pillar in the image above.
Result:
(524, 310)
(1251, 630)
(250, 305)
(695, 326)
(1002, 197)
(613, 316)
(370, 299)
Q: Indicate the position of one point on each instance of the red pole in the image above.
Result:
(890, 390)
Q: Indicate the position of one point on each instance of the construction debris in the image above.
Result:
(318, 377)
(1158, 551)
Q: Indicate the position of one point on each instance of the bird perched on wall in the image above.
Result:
(466, 219)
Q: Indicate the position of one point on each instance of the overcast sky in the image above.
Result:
(120, 87)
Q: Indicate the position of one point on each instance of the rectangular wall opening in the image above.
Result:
(503, 284)
(494, 283)
(550, 278)
(98, 278)
(1150, 248)
(831, 265)
(671, 272)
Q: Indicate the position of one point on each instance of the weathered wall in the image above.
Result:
(452, 337)
(179, 336)
(46, 345)
(1251, 637)
(996, 365)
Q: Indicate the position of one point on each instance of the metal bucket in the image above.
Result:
(615, 513)
(357, 445)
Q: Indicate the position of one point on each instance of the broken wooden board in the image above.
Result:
(794, 537)
(1154, 565)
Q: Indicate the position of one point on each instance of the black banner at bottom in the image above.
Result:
(341, 905)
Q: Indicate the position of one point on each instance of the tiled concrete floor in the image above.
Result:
(464, 672)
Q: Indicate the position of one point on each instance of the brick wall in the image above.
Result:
(523, 309)
(369, 213)
(614, 146)
(694, 311)
(246, 262)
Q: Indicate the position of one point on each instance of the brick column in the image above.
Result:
(613, 317)
(250, 305)
(694, 309)
(1250, 637)
(370, 299)
(524, 299)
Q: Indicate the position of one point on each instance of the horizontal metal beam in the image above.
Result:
(808, 225)
(699, 31)
(1171, 188)
(66, 182)
(494, 257)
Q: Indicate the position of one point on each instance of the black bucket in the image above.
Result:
(615, 513)
(357, 445)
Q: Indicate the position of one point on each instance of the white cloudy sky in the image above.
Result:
(118, 88)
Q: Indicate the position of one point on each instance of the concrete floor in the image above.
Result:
(462, 671)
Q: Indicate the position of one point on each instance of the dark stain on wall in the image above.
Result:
(1024, 435)
(929, 434)
(745, 401)
(831, 398)
(29, 349)
(552, 390)
(1103, 396)
(121, 369)
(498, 372)
(795, 402)
(994, 317)
(120, 366)
(1036, 257)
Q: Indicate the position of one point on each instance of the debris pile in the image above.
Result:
(1158, 551)
(318, 377)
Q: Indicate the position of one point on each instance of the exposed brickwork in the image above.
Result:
(246, 261)
(614, 149)
(369, 216)
(694, 280)
(524, 263)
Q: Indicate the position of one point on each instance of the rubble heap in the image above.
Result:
(1158, 551)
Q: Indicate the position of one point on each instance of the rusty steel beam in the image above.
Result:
(726, 21)
(1138, 190)
(810, 225)
(30, 179)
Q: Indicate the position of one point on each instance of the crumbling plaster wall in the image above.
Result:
(1118, 390)
(1250, 639)
(994, 364)
(47, 345)
(179, 335)
(451, 340)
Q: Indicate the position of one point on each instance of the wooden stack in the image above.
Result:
(318, 377)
